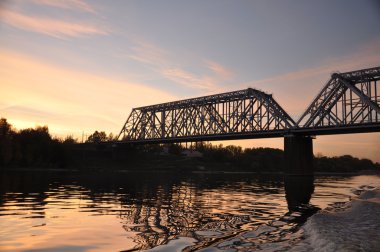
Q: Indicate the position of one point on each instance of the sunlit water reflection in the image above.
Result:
(60, 211)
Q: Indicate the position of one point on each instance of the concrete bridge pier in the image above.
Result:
(298, 152)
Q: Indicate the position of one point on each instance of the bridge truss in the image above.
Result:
(349, 102)
(246, 113)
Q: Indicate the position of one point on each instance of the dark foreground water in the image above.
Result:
(61, 211)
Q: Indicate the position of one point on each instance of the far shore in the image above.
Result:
(195, 171)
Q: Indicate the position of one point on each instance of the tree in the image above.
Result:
(5, 128)
(233, 151)
(97, 137)
(111, 137)
(70, 140)
(33, 146)
(6, 135)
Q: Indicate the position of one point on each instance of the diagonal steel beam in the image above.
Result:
(365, 99)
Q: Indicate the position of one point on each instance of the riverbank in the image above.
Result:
(93, 157)
(194, 170)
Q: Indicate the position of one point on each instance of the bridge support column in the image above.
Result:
(298, 152)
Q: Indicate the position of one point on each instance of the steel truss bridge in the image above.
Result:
(348, 103)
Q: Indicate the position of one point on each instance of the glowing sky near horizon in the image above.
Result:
(80, 66)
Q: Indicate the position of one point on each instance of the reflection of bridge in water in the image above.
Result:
(154, 208)
(348, 103)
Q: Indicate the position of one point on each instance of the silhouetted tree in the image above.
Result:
(70, 140)
(5, 128)
(97, 137)
(6, 136)
(36, 148)
(32, 146)
(111, 137)
(345, 163)
(262, 159)
(234, 152)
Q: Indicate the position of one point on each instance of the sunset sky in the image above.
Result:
(80, 66)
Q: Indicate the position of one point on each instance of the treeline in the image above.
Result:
(269, 159)
(36, 148)
(346, 163)
(250, 159)
(30, 147)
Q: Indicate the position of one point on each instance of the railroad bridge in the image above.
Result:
(348, 103)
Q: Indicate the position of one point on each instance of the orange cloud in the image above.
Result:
(67, 4)
(34, 92)
(218, 69)
(188, 79)
(149, 54)
(158, 60)
(48, 26)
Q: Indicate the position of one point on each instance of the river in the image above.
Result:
(162, 211)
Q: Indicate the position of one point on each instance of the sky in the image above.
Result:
(80, 66)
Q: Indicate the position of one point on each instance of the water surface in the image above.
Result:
(61, 211)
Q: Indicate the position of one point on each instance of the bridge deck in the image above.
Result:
(369, 128)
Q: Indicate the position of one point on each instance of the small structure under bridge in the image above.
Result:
(348, 103)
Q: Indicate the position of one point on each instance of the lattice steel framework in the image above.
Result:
(349, 99)
(246, 113)
(348, 103)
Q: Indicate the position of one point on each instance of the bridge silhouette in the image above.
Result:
(348, 103)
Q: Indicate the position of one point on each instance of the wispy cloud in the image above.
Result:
(149, 54)
(163, 63)
(67, 4)
(188, 79)
(48, 26)
(357, 61)
(364, 57)
(66, 98)
(218, 69)
(296, 89)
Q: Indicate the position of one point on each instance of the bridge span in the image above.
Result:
(348, 103)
